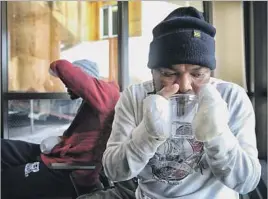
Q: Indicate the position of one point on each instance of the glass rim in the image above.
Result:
(185, 96)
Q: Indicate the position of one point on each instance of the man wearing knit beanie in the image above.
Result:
(26, 165)
(221, 160)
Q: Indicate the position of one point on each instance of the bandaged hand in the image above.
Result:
(212, 116)
(156, 112)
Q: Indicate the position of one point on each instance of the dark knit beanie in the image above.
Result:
(183, 37)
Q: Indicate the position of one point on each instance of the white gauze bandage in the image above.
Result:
(212, 117)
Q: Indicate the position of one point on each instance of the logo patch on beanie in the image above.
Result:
(197, 34)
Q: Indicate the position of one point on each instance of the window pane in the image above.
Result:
(114, 18)
(41, 32)
(148, 14)
(34, 120)
(106, 22)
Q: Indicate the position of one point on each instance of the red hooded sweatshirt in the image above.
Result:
(85, 140)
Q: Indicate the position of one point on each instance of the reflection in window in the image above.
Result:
(34, 120)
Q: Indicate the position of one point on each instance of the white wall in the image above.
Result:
(95, 51)
(230, 54)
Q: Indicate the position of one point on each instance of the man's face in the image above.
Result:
(189, 77)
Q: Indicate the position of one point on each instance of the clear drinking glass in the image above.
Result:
(183, 110)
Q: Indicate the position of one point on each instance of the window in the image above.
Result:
(108, 21)
(34, 120)
(41, 32)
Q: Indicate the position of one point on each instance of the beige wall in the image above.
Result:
(228, 20)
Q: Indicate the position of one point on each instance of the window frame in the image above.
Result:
(110, 21)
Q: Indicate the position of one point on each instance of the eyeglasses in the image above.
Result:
(168, 74)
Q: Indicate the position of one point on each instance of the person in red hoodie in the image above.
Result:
(25, 172)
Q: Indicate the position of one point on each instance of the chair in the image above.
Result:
(104, 182)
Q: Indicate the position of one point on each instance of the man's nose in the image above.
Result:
(184, 82)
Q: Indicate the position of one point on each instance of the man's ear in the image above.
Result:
(211, 73)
